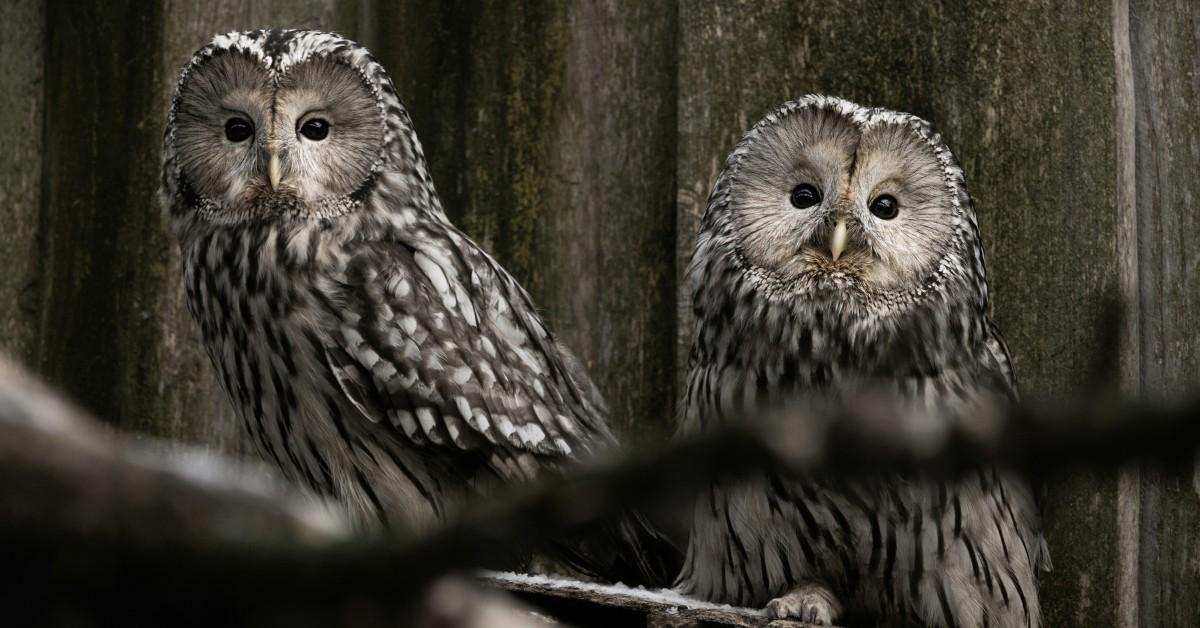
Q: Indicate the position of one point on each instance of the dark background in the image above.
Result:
(578, 142)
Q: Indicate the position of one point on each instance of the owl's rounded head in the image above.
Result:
(824, 195)
(274, 123)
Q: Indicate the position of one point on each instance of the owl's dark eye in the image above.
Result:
(238, 129)
(315, 129)
(885, 206)
(805, 196)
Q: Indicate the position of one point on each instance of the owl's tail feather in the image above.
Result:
(629, 550)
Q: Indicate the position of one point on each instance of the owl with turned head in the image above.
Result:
(373, 352)
(839, 258)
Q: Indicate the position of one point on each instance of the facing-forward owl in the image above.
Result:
(372, 351)
(839, 256)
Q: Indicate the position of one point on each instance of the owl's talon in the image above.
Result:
(810, 603)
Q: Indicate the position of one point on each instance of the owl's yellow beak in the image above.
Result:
(837, 243)
(273, 168)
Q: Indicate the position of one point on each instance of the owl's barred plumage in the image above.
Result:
(783, 315)
(373, 352)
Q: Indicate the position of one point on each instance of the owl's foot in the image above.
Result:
(809, 603)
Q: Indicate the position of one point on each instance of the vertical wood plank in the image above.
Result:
(1042, 162)
(1129, 493)
(1023, 91)
(22, 35)
(1165, 45)
(549, 128)
(105, 248)
(611, 206)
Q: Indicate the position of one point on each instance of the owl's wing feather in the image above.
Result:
(1001, 356)
(437, 339)
(1031, 526)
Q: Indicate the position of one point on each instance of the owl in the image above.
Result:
(373, 352)
(839, 259)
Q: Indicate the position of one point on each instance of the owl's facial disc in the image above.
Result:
(827, 202)
(327, 133)
(255, 143)
(789, 203)
(905, 209)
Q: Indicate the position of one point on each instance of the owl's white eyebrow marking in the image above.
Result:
(890, 182)
(230, 110)
(314, 111)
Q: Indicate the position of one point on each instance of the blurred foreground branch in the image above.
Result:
(97, 529)
(103, 527)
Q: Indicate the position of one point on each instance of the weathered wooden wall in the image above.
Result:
(577, 142)
(1164, 64)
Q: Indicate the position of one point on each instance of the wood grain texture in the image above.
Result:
(22, 35)
(1023, 92)
(329, 15)
(550, 129)
(105, 246)
(1165, 45)
(1129, 368)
